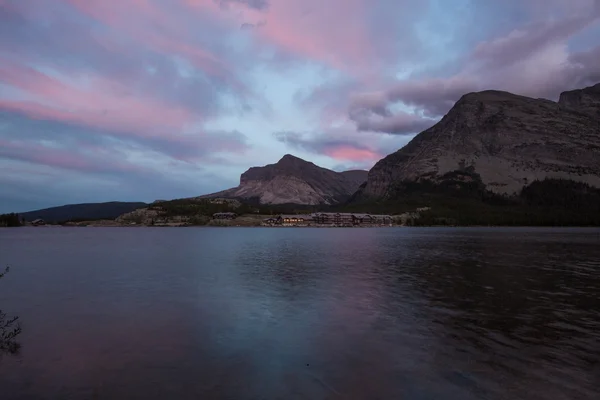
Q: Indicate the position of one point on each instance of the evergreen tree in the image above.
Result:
(10, 220)
(9, 329)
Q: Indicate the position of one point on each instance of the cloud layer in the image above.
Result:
(145, 99)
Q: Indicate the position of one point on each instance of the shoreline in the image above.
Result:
(48, 226)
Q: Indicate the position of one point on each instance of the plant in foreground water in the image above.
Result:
(9, 329)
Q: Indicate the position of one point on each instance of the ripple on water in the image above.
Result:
(303, 313)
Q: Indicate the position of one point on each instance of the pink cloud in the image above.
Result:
(339, 144)
(337, 35)
(334, 33)
(349, 153)
(156, 28)
(93, 101)
(62, 158)
(187, 148)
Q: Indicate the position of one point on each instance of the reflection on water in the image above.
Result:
(304, 313)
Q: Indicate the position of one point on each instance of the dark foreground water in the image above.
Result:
(302, 313)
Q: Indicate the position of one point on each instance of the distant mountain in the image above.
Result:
(508, 141)
(294, 181)
(86, 211)
(356, 176)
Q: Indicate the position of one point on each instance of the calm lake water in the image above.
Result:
(201, 313)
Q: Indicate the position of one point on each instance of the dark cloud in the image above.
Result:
(520, 43)
(433, 97)
(585, 67)
(246, 26)
(36, 153)
(351, 167)
(329, 98)
(398, 123)
(255, 4)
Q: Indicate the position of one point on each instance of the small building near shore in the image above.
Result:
(269, 221)
(225, 215)
(362, 219)
(294, 220)
(38, 222)
(335, 219)
(381, 219)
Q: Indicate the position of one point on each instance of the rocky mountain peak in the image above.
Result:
(509, 140)
(585, 100)
(296, 181)
(487, 96)
(290, 162)
(290, 158)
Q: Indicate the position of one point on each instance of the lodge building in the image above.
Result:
(329, 219)
(224, 215)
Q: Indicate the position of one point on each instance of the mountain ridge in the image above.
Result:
(293, 180)
(82, 211)
(510, 140)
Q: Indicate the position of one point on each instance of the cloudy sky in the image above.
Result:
(144, 99)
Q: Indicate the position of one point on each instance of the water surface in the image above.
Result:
(392, 313)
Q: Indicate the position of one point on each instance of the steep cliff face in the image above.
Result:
(355, 177)
(509, 140)
(295, 181)
(584, 100)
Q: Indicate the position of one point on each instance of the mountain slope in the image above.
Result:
(585, 100)
(356, 176)
(85, 211)
(510, 141)
(294, 181)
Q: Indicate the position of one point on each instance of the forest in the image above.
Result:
(460, 198)
(207, 207)
(10, 220)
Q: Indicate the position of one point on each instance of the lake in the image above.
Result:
(302, 313)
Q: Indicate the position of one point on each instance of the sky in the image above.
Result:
(138, 100)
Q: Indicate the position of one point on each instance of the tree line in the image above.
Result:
(461, 198)
(11, 220)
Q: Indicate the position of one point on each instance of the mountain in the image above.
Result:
(356, 176)
(583, 100)
(85, 211)
(504, 140)
(294, 181)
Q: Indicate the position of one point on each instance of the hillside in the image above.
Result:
(497, 158)
(294, 181)
(85, 211)
(509, 140)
